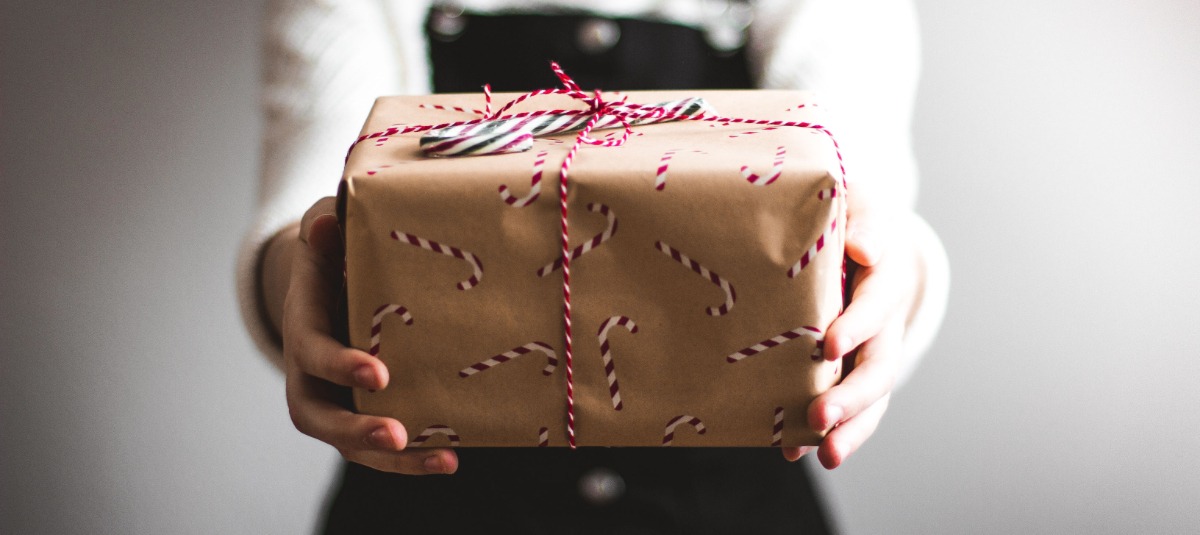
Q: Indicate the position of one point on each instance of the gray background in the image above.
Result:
(1059, 146)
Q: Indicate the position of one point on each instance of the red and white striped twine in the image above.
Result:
(610, 372)
(596, 240)
(597, 109)
(552, 359)
(436, 429)
(811, 253)
(724, 285)
(429, 245)
(811, 332)
(669, 430)
(622, 111)
(450, 108)
(543, 437)
(377, 323)
(535, 185)
(515, 133)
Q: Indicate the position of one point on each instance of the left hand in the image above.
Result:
(884, 289)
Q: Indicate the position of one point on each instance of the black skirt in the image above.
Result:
(589, 490)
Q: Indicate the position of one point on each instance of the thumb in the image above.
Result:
(325, 237)
(319, 229)
(867, 229)
(862, 242)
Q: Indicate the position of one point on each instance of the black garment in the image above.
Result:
(533, 490)
(513, 53)
(536, 491)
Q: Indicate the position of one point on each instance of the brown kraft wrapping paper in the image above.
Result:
(681, 286)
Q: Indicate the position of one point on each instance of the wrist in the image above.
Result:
(274, 275)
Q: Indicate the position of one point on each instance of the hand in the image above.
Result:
(884, 289)
(318, 367)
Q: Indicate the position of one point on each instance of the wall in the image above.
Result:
(1058, 143)
(132, 400)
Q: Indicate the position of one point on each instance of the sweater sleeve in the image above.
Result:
(324, 62)
(862, 59)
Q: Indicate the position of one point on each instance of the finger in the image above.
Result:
(795, 453)
(879, 295)
(315, 413)
(846, 438)
(308, 339)
(322, 356)
(412, 462)
(873, 378)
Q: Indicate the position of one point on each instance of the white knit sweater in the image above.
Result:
(327, 60)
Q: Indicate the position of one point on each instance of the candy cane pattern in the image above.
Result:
(801, 106)
(811, 252)
(371, 172)
(447, 250)
(588, 245)
(764, 345)
(669, 431)
(777, 436)
(660, 178)
(377, 323)
(614, 389)
(752, 132)
(543, 437)
(436, 429)
(515, 352)
(775, 171)
(828, 193)
(535, 185)
(730, 294)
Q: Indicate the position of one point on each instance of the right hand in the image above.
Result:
(319, 368)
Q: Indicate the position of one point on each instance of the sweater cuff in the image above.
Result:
(249, 290)
(929, 308)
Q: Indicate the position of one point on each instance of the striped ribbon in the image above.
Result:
(599, 114)
(515, 134)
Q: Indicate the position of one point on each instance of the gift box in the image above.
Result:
(706, 263)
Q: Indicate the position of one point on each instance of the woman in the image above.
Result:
(325, 63)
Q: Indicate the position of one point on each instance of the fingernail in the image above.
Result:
(382, 438)
(433, 464)
(365, 376)
(865, 242)
(833, 416)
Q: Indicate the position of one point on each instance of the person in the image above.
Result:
(325, 62)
